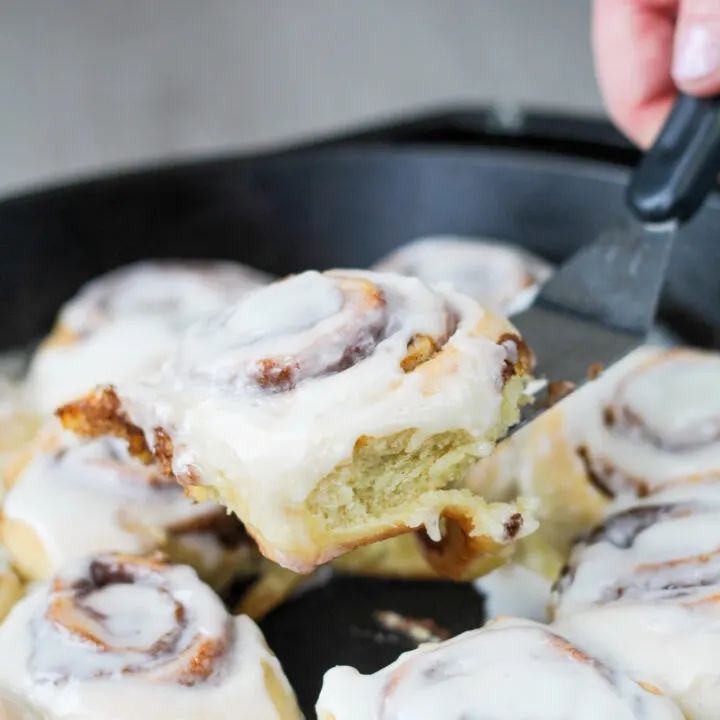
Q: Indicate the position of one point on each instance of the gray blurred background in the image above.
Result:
(91, 84)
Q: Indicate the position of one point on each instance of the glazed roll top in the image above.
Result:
(501, 276)
(646, 423)
(658, 422)
(335, 399)
(124, 323)
(509, 669)
(119, 637)
(665, 548)
(73, 499)
(643, 588)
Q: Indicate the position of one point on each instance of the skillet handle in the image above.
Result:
(677, 173)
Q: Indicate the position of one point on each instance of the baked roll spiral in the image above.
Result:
(70, 500)
(509, 669)
(498, 275)
(649, 421)
(119, 637)
(125, 322)
(662, 549)
(643, 587)
(330, 411)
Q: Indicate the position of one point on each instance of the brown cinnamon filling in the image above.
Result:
(623, 420)
(673, 578)
(520, 359)
(608, 479)
(172, 657)
(422, 348)
(100, 414)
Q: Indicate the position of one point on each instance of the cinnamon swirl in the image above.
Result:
(662, 549)
(648, 421)
(330, 411)
(498, 275)
(120, 637)
(644, 586)
(125, 322)
(509, 669)
(72, 499)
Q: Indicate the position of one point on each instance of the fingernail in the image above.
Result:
(697, 54)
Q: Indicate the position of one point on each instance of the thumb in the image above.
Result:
(696, 53)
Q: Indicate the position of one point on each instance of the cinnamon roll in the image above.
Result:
(644, 586)
(650, 420)
(125, 322)
(663, 549)
(509, 669)
(330, 411)
(673, 645)
(73, 499)
(116, 637)
(498, 275)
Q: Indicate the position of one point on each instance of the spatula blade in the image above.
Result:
(597, 308)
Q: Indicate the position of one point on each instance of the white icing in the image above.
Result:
(93, 498)
(676, 393)
(498, 275)
(510, 669)
(127, 322)
(275, 446)
(125, 683)
(515, 590)
(674, 646)
(671, 557)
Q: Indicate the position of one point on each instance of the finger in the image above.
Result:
(633, 48)
(696, 59)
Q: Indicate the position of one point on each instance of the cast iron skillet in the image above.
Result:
(545, 184)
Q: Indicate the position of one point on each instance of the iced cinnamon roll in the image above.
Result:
(120, 637)
(330, 411)
(650, 420)
(663, 549)
(498, 275)
(644, 587)
(509, 669)
(72, 499)
(673, 645)
(125, 322)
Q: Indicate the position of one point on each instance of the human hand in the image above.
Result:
(647, 50)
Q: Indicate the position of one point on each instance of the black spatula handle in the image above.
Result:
(681, 168)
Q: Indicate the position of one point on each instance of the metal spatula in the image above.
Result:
(601, 303)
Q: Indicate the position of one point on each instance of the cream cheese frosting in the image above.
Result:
(209, 397)
(499, 275)
(509, 669)
(83, 498)
(271, 396)
(124, 323)
(116, 638)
